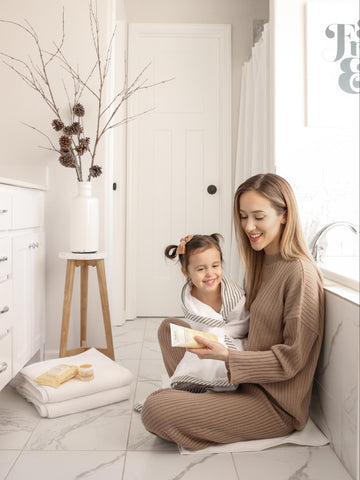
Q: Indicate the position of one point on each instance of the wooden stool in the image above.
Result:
(84, 260)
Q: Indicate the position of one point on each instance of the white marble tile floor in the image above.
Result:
(111, 443)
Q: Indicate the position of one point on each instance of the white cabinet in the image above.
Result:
(28, 287)
(22, 278)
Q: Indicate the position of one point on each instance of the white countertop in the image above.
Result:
(21, 183)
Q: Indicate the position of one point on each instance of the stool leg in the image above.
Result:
(69, 283)
(83, 303)
(100, 269)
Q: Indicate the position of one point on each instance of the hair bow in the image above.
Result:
(181, 249)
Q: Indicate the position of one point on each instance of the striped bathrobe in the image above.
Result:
(231, 326)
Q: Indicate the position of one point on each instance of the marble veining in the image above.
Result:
(335, 402)
(190, 467)
(111, 442)
(100, 468)
(351, 400)
(301, 473)
(329, 349)
(83, 431)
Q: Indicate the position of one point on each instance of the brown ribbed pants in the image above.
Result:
(198, 420)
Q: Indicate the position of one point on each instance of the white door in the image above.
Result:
(175, 152)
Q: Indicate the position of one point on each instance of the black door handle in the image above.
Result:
(211, 189)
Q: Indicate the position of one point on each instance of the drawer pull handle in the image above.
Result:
(3, 211)
(3, 259)
(3, 366)
(5, 309)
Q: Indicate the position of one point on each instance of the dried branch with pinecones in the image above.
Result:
(72, 143)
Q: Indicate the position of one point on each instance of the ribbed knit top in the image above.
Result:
(285, 335)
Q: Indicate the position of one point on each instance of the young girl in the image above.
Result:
(212, 304)
(284, 294)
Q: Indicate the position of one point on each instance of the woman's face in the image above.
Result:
(261, 222)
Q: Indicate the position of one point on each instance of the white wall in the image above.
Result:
(20, 144)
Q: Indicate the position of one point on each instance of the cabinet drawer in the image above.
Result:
(5, 211)
(5, 357)
(27, 208)
(5, 257)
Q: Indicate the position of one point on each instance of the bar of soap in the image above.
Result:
(57, 375)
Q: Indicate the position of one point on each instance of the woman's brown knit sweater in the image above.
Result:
(286, 329)
(275, 373)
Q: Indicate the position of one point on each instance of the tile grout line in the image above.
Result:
(23, 448)
(236, 470)
(13, 465)
(133, 400)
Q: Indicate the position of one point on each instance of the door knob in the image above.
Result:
(211, 189)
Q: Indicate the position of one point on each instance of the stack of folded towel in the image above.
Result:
(112, 383)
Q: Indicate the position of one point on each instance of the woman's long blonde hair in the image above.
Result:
(292, 243)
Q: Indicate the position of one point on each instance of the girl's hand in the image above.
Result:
(211, 349)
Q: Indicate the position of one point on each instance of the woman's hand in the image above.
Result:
(211, 349)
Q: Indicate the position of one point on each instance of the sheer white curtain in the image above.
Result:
(253, 145)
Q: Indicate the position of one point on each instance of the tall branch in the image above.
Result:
(36, 74)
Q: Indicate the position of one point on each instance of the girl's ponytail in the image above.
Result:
(170, 251)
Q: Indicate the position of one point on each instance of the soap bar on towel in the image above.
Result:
(109, 375)
(57, 375)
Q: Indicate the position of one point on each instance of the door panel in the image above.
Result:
(175, 152)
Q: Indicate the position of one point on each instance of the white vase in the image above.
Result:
(84, 220)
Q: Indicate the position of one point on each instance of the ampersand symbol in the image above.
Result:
(349, 80)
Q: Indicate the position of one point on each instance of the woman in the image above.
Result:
(275, 374)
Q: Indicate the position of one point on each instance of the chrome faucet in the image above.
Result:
(316, 249)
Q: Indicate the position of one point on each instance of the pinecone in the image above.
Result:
(57, 125)
(81, 149)
(95, 171)
(67, 130)
(67, 160)
(65, 142)
(74, 129)
(85, 141)
(79, 110)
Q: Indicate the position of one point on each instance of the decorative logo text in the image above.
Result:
(345, 49)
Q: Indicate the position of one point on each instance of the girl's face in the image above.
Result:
(261, 222)
(205, 270)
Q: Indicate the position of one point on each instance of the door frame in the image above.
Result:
(222, 32)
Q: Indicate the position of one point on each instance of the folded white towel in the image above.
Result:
(310, 436)
(75, 405)
(108, 375)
